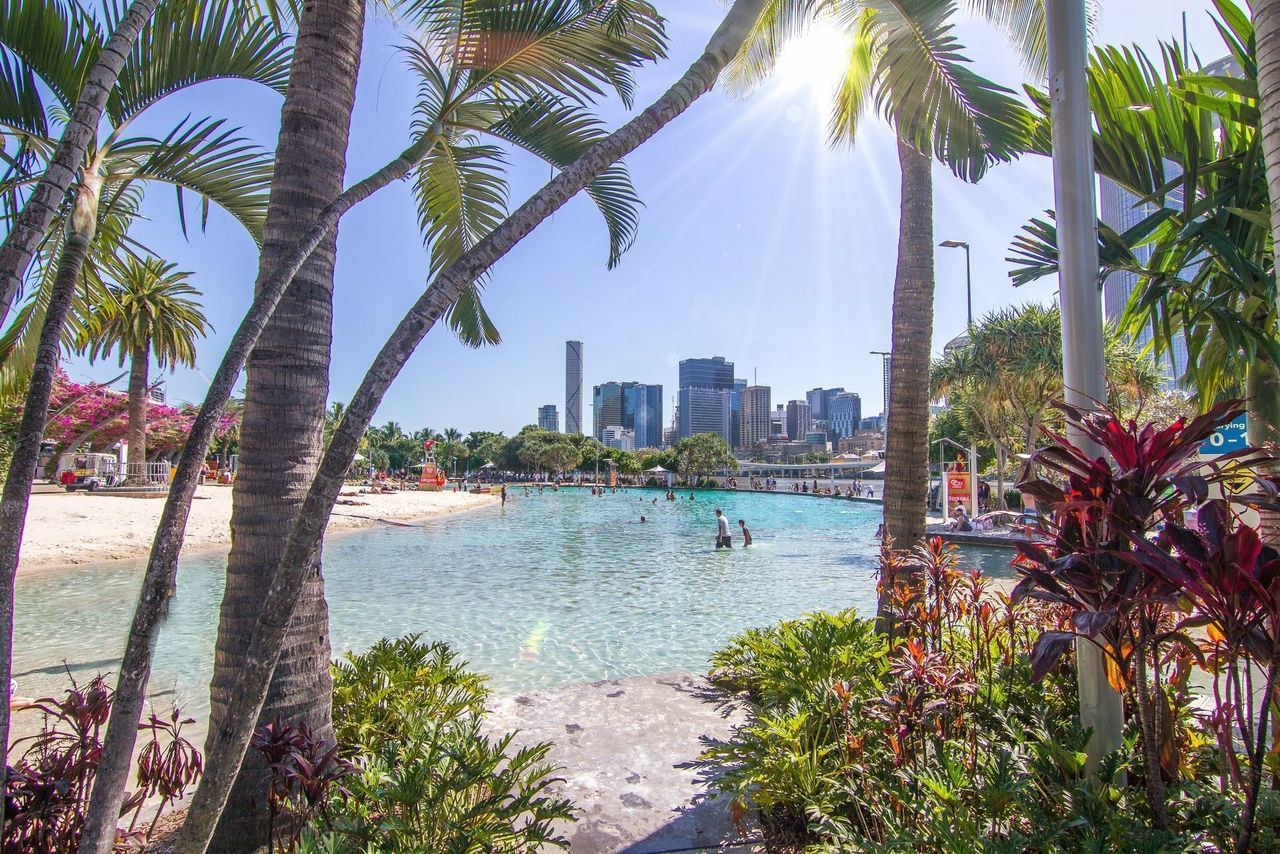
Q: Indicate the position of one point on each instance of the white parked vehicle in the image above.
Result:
(89, 471)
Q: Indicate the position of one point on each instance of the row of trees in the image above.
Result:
(531, 450)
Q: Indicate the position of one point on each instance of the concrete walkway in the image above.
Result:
(620, 744)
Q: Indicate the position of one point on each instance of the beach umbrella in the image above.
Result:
(657, 470)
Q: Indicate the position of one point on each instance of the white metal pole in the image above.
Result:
(1101, 707)
(973, 480)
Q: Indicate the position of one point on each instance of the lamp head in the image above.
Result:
(955, 244)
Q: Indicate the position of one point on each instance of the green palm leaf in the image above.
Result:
(780, 22)
(57, 40)
(190, 41)
(200, 156)
(576, 48)
(923, 85)
(21, 107)
(462, 196)
(559, 133)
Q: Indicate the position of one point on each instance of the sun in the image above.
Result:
(815, 60)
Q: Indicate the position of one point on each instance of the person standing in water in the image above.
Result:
(504, 495)
(746, 533)
(723, 540)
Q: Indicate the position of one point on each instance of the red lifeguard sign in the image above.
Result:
(432, 478)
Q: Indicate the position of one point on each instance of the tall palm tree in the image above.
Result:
(151, 313)
(1266, 24)
(252, 684)
(58, 45)
(904, 62)
(528, 89)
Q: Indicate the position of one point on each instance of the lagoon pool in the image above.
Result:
(555, 588)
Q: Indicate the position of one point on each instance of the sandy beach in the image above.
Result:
(67, 529)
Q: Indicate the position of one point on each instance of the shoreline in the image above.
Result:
(114, 529)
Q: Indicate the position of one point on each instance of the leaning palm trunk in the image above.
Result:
(138, 394)
(42, 206)
(81, 227)
(162, 565)
(906, 480)
(228, 742)
(1262, 386)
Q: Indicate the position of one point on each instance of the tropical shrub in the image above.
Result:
(956, 728)
(47, 787)
(424, 777)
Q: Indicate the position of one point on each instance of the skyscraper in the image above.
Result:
(636, 407)
(548, 418)
(846, 414)
(573, 386)
(799, 418)
(735, 412)
(1122, 210)
(757, 420)
(706, 397)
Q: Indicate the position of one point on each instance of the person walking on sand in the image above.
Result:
(746, 533)
(723, 540)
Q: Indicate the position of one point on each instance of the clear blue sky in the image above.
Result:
(757, 242)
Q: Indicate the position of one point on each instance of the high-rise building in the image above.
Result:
(1121, 210)
(757, 419)
(632, 406)
(573, 386)
(735, 412)
(706, 398)
(778, 423)
(799, 419)
(548, 418)
(846, 414)
(615, 436)
(819, 400)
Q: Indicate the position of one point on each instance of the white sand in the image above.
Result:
(66, 529)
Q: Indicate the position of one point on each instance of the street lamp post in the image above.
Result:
(968, 274)
(885, 356)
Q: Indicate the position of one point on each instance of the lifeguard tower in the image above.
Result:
(432, 478)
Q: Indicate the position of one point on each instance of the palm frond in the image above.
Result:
(780, 23)
(21, 107)
(199, 156)
(560, 133)
(854, 91)
(462, 196)
(57, 40)
(924, 86)
(191, 41)
(575, 48)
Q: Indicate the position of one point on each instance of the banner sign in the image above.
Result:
(1227, 438)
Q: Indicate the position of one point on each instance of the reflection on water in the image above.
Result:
(555, 588)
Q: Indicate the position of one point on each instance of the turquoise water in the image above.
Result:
(556, 588)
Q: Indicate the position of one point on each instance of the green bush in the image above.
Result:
(408, 715)
(941, 740)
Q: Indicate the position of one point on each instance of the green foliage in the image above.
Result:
(703, 454)
(409, 716)
(151, 311)
(935, 737)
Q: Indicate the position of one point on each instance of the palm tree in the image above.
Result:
(1266, 24)
(904, 61)
(527, 91)
(151, 313)
(231, 740)
(1008, 372)
(29, 224)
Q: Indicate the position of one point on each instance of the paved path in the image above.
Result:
(620, 743)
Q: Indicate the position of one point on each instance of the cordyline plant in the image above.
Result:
(1128, 594)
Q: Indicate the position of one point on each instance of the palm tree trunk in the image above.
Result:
(285, 399)
(907, 445)
(229, 741)
(162, 565)
(37, 214)
(1262, 388)
(81, 228)
(1266, 27)
(138, 394)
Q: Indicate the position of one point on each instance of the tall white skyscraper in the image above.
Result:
(573, 386)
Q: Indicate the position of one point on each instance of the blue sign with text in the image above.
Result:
(1227, 438)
